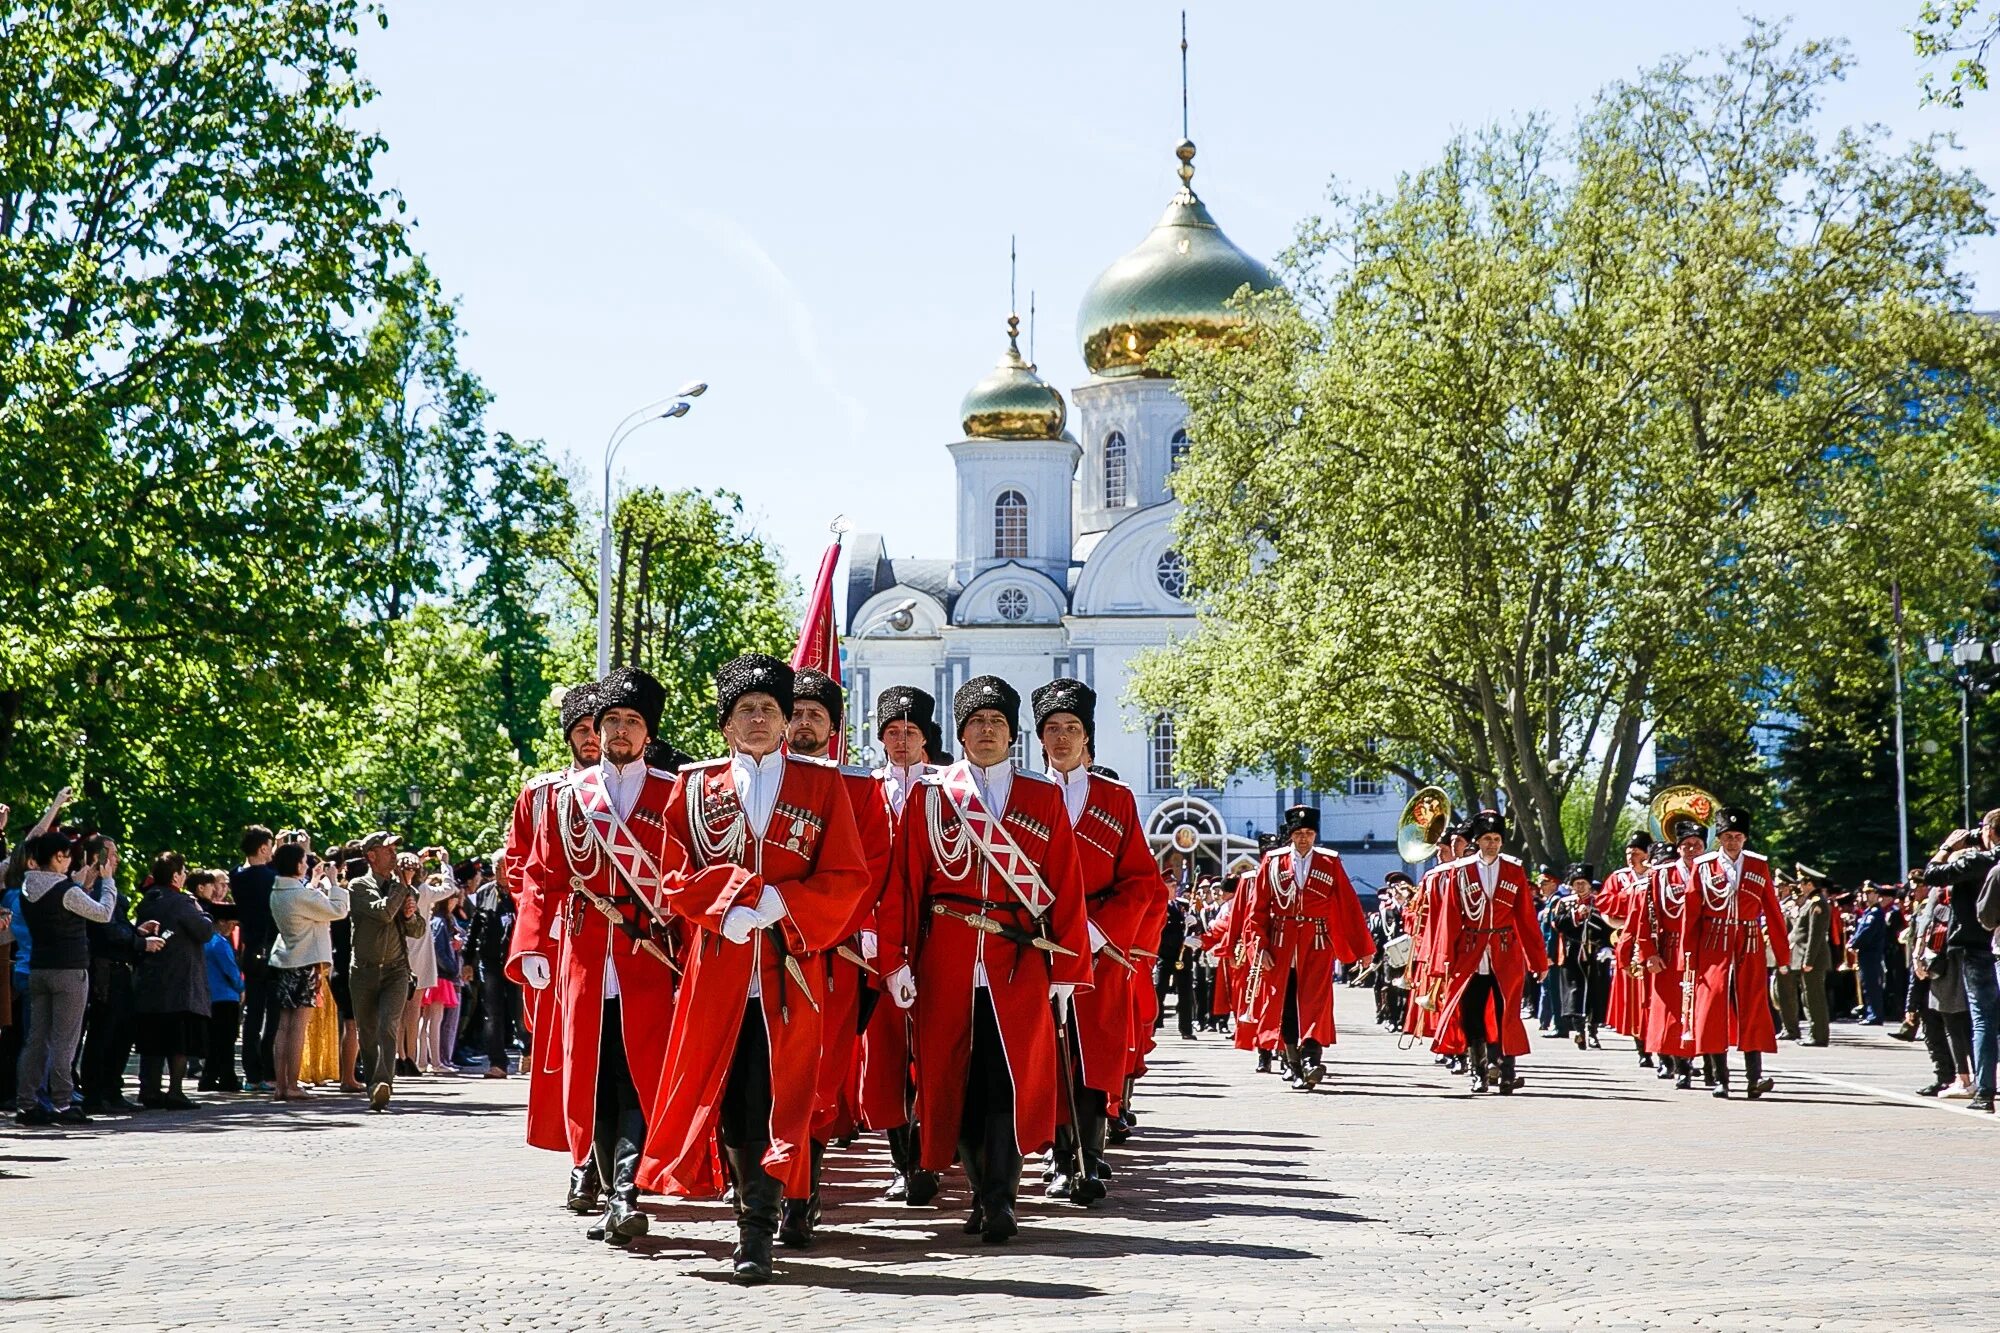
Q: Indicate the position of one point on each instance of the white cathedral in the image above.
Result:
(1065, 562)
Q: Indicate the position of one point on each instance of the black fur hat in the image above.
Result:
(822, 689)
(904, 703)
(1301, 817)
(1732, 819)
(752, 673)
(1640, 841)
(578, 703)
(629, 687)
(1483, 823)
(986, 692)
(1067, 696)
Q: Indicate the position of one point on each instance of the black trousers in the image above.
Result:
(499, 998)
(107, 1043)
(618, 1126)
(986, 1144)
(260, 1024)
(1166, 975)
(218, 1063)
(1479, 992)
(746, 1096)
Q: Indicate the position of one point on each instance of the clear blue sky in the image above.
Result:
(808, 205)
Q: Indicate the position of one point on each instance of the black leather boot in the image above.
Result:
(1263, 1061)
(923, 1184)
(1062, 1171)
(1721, 1077)
(1311, 1071)
(583, 1186)
(797, 1217)
(623, 1222)
(1001, 1183)
(603, 1159)
(903, 1159)
(1755, 1085)
(1090, 1187)
(973, 1159)
(1683, 1073)
(1475, 1061)
(1509, 1080)
(758, 1195)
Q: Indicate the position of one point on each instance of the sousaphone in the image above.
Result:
(1675, 803)
(1421, 828)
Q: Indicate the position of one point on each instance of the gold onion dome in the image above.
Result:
(1013, 402)
(1179, 280)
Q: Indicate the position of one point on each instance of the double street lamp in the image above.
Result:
(665, 410)
(1967, 655)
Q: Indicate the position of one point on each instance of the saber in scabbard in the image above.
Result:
(631, 931)
(847, 952)
(1013, 934)
(1113, 953)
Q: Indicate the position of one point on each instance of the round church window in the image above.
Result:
(1013, 604)
(1172, 574)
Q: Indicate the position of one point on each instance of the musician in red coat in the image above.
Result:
(1120, 882)
(818, 709)
(906, 726)
(534, 934)
(1428, 965)
(598, 868)
(743, 1059)
(1657, 945)
(986, 866)
(1218, 941)
(1619, 902)
(1305, 917)
(1489, 943)
(1732, 916)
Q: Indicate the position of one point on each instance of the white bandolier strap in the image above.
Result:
(997, 845)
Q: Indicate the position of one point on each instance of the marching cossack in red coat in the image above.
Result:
(1657, 924)
(1486, 943)
(836, 1110)
(1732, 914)
(1305, 928)
(534, 933)
(1121, 886)
(809, 852)
(1620, 901)
(882, 1066)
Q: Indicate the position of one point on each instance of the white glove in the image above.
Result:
(902, 987)
(738, 922)
(770, 907)
(1098, 939)
(1061, 992)
(870, 946)
(535, 969)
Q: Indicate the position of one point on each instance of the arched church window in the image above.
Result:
(1114, 470)
(1013, 604)
(1010, 526)
(1171, 571)
(1177, 450)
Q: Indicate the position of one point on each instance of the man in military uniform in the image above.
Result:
(1489, 947)
(1785, 986)
(1583, 944)
(1731, 914)
(986, 868)
(818, 712)
(1811, 939)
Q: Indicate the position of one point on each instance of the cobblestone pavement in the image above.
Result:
(1388, 1199)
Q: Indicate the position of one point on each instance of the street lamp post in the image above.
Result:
(664, 410)
(1966, 655)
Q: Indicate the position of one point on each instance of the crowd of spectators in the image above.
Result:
(293, 975)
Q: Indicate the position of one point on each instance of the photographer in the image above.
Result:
(303, 912)
(1937, 997)
(58, 911)
(385, 915)
(250, 887)
(1968, 864)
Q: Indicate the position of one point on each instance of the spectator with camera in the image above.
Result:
(385, 915)
(116, 949)
(58, 910)
(1968, 865)
(170, 985)
(303, 912)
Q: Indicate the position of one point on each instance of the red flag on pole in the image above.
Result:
(819, 641)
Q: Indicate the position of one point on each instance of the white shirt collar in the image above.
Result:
(1075, 786)
(757, 781)
(622, 783)
(994, 783)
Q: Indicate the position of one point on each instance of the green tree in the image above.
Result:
(1837, 771)
(1963, 28)
(189, 224)
(1571, 433)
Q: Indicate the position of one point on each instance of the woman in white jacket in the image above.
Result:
(304, 914)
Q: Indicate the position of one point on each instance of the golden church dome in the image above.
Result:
(1179, 280)
(1013, 402)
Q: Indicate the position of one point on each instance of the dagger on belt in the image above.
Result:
(631, 931)
(1011, 933)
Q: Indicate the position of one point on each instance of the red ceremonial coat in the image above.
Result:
(1505, 927)
(1120, 883)
(882, 1071)
(935, 862)
(1621, 898)
(835, 1109)
(1426, 966)
(1220, 939)
(1657, 934)
(568, 851)
(1304, 929)
(1146, 999)
(534, 932)
(1726, 930)
(811, 853)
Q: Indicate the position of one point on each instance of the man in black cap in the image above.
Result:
(906, 725)
(743, 1059)
(1729, 919)
(1583, 945)
(818, 715)
(1490, 946)
(986, 862)
(533, 934)
(1120, 882)
(1812, 946)
(382, 914)
(1619, 900)
(1304, 919)
(600, 864)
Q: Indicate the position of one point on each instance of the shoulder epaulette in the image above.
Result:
(660, 773)
(544, 779)
(1111, 782)
(1706, 857)
(704, 763)
(1042, 778)
(855, 771)
(821, 760)
(1511, 860)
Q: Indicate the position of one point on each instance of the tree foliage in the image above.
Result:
(1573, 432)
(1966, 29)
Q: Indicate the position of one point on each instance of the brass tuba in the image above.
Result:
(1421, 828)
(1679, 802)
